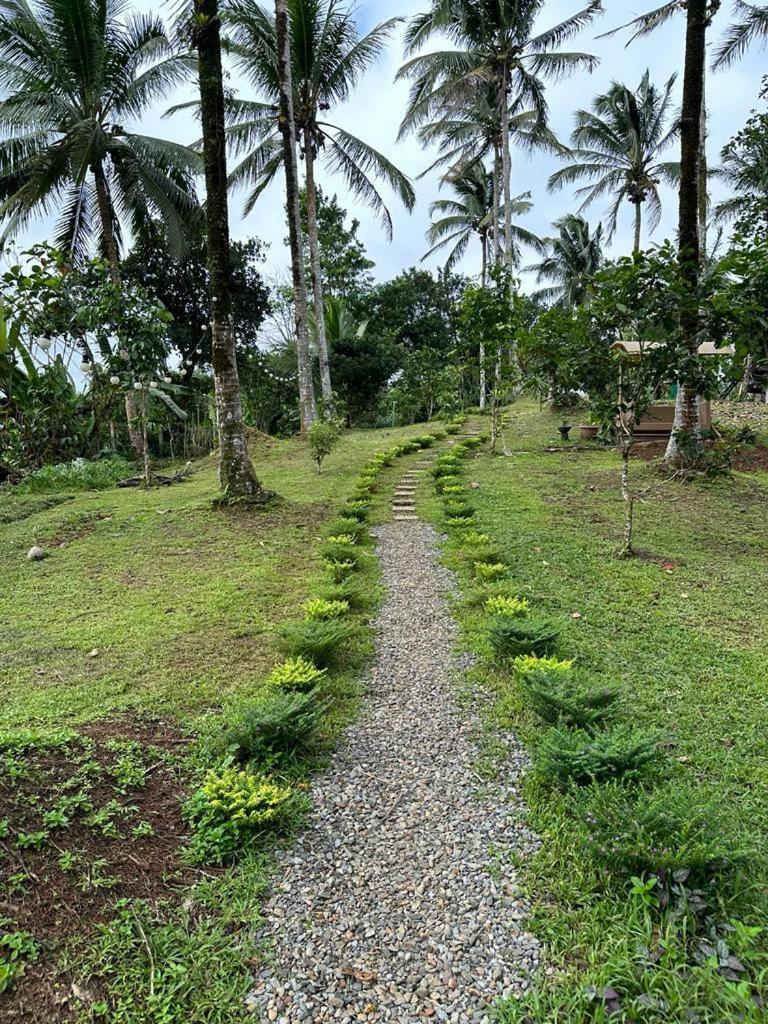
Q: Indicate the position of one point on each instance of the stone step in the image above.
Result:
(405, 519)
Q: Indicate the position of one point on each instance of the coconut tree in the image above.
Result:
(750, 23)
(491, 42)
(573, 257)
(328, 59)
(75, 73)
(236, 473)
(617, 145)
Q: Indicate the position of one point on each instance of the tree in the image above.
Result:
(617, 146)
(416, 309)
(344, 264)
(574, 256)
(183, 286)
(236, 473)
(74, 73)
(744, 166)
(328, 58)
(491, 42)
(283, 81)
(751, 23)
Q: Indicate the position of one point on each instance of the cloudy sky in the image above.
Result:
(376, 109)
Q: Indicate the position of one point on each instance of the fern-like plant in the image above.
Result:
(508, 607)
(318, 642)
(279, 724)
(489, 572)
(340, 548)
(347, 526)
(296, 674)
(574, 755)
(569, 696)
(509, 638)
(318, 609)
(340, 570)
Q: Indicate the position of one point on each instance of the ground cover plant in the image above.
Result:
(151, 632)
(649, 788)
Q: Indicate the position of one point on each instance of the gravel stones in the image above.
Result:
(398, 902)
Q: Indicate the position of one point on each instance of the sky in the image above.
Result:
(375, 111)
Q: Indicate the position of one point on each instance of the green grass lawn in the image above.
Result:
(683, 630)
(180, 600)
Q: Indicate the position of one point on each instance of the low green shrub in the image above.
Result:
(340, 570)
(674, 827)
(317, 641)
(318, 608)
(356, 508)
(473, 538)
(296, 674)
(509, 607)
(78, 475)
(340, 548)
(347, 526)
(490, 554)
(17, 949)
(575, 755)
(509, 638)
(456, 521)
(489, 572)
(568, 696)
(424, 440)
(354, 592)
(230, 811)
(445, 467)
(456, 507)
(453, 492)
(281, 723)
(449, 480)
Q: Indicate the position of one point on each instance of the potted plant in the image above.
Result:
(588, 431)
(565, 429)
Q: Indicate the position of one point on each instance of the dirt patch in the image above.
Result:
(87, 819)
(76, 528)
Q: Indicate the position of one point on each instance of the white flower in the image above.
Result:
(114, 379)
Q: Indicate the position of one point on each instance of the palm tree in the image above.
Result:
(287, 129)
(491, 41)
(574, 256)
(617, 146)
(751, 23)
(236, 473)
(328, 58)
(74, 73)
(470, 215)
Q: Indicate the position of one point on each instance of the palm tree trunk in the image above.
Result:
(236, 473)
(506, 172)
(317, 277)
(110, 245)
(288, 132)
(638, 226)
(691, 139)
(484, 282)
(496, 206)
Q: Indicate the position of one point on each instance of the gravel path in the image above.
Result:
(397, 902)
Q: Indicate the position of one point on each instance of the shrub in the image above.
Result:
(457, 507)
(340, 548)
(445, 467)
(78, 475)
(278, 724)
(473, 538)
(455, 521)
(356, 594)
(490, 554)
(322, 437)
(424, 440)
(317, 608)
(510, 638)
(672, 827)
(568, 696)
(339, 570)
(452, 428)
(295, 674)
(575, 755)
(453, 492)
(230, 810)
(356, 508)
(317, 641)
(449, 480)
(488, 572)
(348, 526)
(528, 665)
(509, 607)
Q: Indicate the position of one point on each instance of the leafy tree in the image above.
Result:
(322, 437)
(551, 351)
(183, 286)
(617, 145)
(362, 358)
(328, 58)
(574, 255)
(744, 167)
(490, 42)
(344, 265)
(415, 309)
(236, 473)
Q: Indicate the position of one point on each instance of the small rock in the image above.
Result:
(35, 554)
